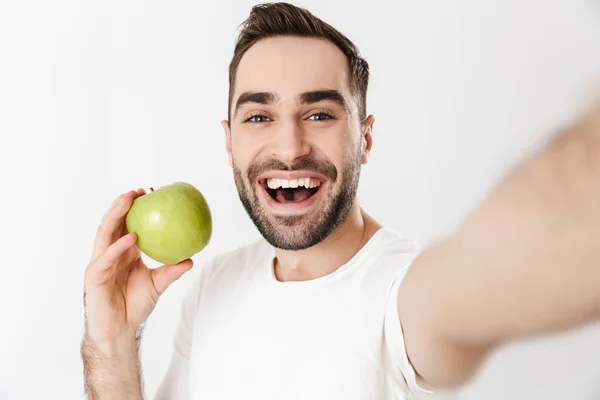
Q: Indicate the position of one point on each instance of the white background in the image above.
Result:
(97, 98)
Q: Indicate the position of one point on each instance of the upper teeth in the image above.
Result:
(274, 183)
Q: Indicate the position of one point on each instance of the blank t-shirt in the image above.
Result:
(245, 335)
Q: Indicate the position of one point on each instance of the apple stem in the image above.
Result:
(152, 189)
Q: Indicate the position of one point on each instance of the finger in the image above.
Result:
(97, 270)
(141, 192)
(117, 201)
(164, 276)
(111, 222)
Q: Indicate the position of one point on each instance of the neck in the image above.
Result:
(330, 254)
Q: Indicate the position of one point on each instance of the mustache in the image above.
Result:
(306, 164)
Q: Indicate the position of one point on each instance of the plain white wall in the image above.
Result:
(97, 98)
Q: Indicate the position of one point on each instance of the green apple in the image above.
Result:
(172, 223)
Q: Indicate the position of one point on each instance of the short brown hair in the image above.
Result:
(284, 19)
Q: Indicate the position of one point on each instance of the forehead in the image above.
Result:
(291, 65)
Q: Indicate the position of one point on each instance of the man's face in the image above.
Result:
(294, 140)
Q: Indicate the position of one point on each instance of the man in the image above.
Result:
(331, 304)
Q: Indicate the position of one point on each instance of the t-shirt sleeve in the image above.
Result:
(399, 367)
(176, 381)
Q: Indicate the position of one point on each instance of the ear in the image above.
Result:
(227, 131)
(367, 138)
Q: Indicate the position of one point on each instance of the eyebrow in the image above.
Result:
(254, 97)
(315, 96)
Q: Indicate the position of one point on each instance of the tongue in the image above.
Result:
(292, 195)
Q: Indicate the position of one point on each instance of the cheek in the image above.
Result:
(337, 149)
(243, 150)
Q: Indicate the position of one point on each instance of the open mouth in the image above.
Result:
(291, 191)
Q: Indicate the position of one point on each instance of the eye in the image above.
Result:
(320, 116)
(258, 119)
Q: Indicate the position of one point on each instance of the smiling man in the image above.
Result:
(330, 304)
(294, 137)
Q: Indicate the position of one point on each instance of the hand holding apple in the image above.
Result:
(120, 290)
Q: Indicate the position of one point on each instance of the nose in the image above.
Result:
(289, 143)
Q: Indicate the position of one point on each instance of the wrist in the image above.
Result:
(123, 345)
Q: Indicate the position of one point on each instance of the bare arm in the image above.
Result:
(112, 371)
(525, 263)
(120, 292)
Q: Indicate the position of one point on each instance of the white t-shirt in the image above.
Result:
(245, 335)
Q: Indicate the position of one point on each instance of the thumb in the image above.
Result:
(164, 276)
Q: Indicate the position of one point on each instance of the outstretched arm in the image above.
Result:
(525, 263)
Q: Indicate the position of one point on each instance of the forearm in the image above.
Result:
(527, 261)
(112, 371)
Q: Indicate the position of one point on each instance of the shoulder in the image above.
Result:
(380, 278)
(378, 283)
(393, 257)
(388, 261)
(399, 244)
